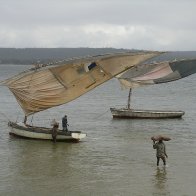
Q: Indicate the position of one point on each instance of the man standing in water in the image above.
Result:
(55, 131)
(161, 151)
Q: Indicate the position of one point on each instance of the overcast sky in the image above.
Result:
(138, 24)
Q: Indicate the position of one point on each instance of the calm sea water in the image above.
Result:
(116, 158)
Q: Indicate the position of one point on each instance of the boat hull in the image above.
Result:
(42, 133)
(150, 114)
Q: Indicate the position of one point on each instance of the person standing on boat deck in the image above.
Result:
(161, 151)
(54, 131)
(64, 123)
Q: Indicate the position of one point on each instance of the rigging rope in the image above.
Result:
(101, 115)
(4, 116)
(32, 120)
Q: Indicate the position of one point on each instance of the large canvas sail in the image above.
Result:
(156, 73)
(40, 89)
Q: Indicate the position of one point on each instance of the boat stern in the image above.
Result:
(78, 136)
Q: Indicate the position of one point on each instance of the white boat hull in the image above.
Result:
(132, 113)
(31, 132)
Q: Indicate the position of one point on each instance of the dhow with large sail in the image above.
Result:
(47, 86)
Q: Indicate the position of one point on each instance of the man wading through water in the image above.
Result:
(54, 130)
(161, 151)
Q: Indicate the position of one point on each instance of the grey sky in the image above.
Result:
(139, 24)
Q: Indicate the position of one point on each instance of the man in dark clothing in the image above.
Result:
(54, 131)
(161, 151)
(64, 123)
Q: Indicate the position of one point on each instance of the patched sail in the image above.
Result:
(40, 89)
(156, 73)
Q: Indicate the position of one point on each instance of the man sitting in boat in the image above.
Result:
(64, 123)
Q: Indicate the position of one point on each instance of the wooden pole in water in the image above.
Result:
(25, 119)
(129, 98)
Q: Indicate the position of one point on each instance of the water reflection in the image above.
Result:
(160, 178)
(160, 181)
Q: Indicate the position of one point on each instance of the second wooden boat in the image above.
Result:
(133, 113)
(128, 112)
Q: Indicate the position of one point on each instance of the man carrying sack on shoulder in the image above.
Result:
(161, 151)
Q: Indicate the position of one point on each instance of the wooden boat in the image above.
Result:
(43, 133)
(135, 113)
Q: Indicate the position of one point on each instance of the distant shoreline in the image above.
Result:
(29, 56)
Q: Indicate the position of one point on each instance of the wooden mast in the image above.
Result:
(129, 99)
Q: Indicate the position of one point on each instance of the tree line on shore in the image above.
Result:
(46, 55)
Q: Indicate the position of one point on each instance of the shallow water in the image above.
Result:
(116, 158)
